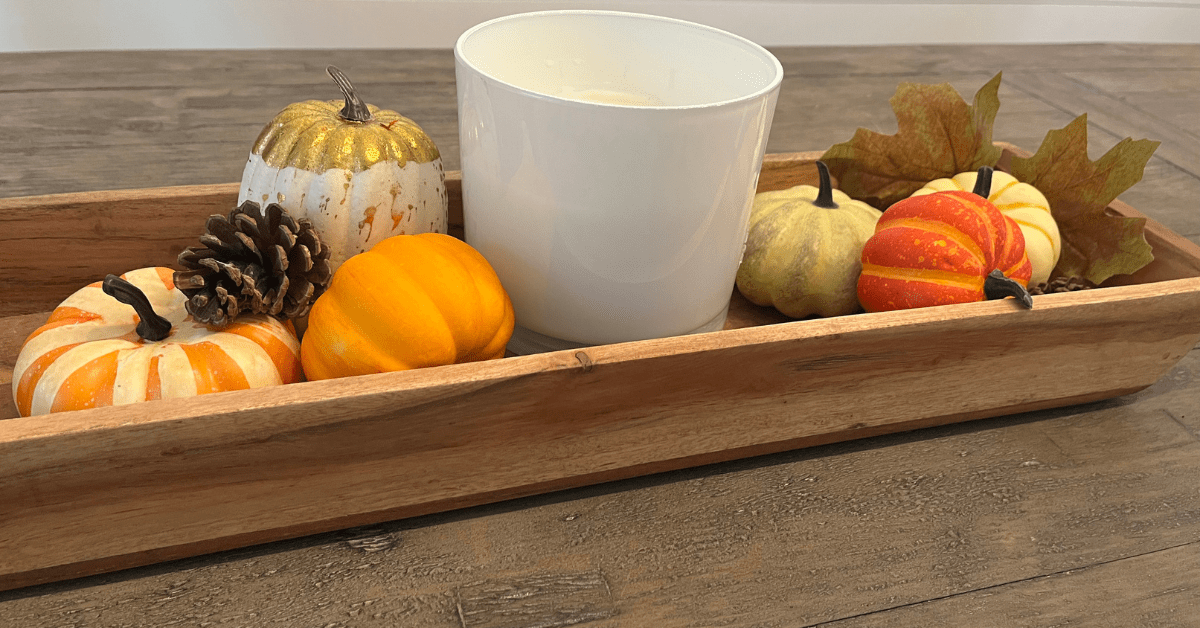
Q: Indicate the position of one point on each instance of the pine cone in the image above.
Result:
(259, 261)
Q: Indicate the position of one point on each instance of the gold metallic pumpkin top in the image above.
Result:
(312, 136)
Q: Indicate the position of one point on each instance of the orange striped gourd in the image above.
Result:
(129, 339)
(939, 249)
(1023, 203)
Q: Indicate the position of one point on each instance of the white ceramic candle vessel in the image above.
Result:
(609, 165)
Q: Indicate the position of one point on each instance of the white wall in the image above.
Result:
(38, 25)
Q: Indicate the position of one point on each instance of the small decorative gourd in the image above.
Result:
(128, 339)
(1023, 203)
(942, 248)
(804, 249)
(412, 301)
(360, 174)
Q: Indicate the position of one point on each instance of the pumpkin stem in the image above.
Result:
(355, 110)
(151, 327)
(997, 286)
(825, 191)
(983, 182)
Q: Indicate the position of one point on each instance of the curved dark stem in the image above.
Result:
(152, 326)
(825, 191)
(983, 182)
(997, 286)
(355, 110)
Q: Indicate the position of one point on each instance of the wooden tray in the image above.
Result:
(99, 490)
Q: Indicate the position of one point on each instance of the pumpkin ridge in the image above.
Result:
(213, 369)
(279, 128)
(925, 275)
(257, 366)
(346, 345)
(808, 257)
(153, 379)
(989, 216)
(942, 229)
(325, 352)
(96, 376)
(286, 360)
(347, 142)
(33, 374)
(1034, 226)
(68, 316)
(497, 344)
(277, 147)
(439, 287)
(133, 374)
(959, 208)
(81, 351)
(167, 276)
(404, 293)
(309, 150)
(463, 347)
(491, 340)
(1011, 259)
(74, 313)
(1007, 207)
(1003, 189)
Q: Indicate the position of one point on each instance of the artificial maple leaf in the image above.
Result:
(1095, 244)
(938, 136)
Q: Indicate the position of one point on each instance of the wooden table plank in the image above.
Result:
(1116, 116)
(1012, 519)
(102, 135)
(107, 70)
(1157, 589)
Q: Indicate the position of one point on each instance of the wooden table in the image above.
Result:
(1087, 515)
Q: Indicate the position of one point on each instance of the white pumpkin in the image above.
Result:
(360, 174)
(1023, 203)
(96, 350)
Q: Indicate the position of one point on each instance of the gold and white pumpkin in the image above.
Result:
(96, 350)
(1023, 203)
(359, 173)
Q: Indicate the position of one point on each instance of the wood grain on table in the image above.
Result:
(1087, 515)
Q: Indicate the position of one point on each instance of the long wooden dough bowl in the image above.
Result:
(99, 490)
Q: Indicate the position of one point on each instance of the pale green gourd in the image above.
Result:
(804, 249)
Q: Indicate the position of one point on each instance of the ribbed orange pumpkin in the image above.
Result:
(411, 301)
(938, 249)
(112, 344)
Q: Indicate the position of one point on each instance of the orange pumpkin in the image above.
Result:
(411, 301)
(941, 248)
(129, 339)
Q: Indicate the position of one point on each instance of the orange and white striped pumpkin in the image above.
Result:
(89, 353)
